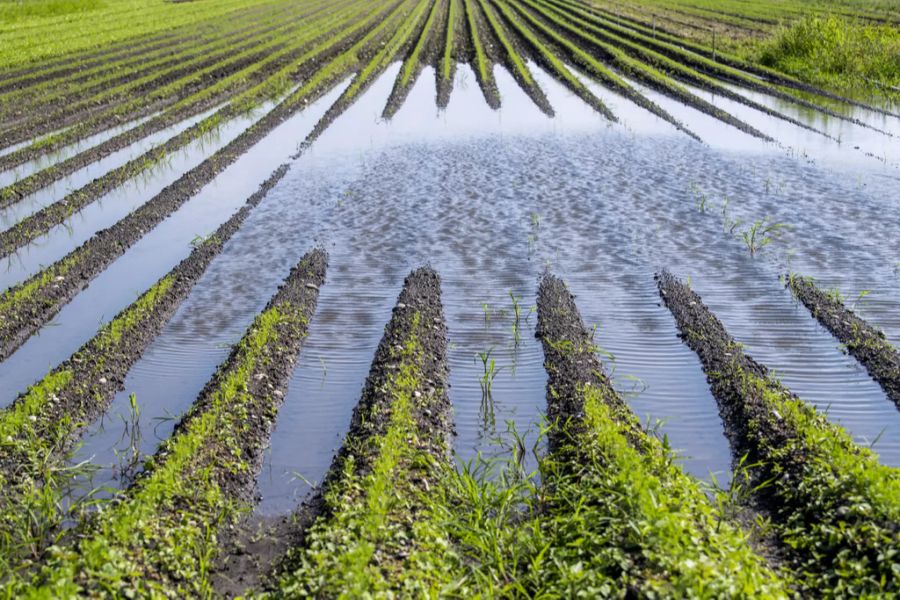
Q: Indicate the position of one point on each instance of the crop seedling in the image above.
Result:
(129, 457)
(517, 317)
(486, 381)
(761, 234)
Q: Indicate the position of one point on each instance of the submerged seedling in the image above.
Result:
(129, 457)
(486, 381)
(517, 317)
(762, 233)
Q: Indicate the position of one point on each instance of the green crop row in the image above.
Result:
(37, 39)
(271, 87)
(148, 66)
(160, 539)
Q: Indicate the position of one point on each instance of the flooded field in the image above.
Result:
(517, 220)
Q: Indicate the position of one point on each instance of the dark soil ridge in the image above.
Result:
(728, 60)
(242, 38)
(684, 73)
(683, 57)
(79, 61)
(721, 357)
(458, 53)
(570, 362)
(267, 384)
(532, 90)
(428, 56)
(741, 406)
(865, 343)
(48, 294)
(99, 368)
(421, 294)
(107, 113)
(40, 222)
(487, 84)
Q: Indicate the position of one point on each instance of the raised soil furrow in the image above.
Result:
(268, 76)
(202, 476)
(833, 506)
(137, 99)
(482, 64)
(370, 512)
(94, 91)
(514, 60)
(637, 502)
(656, 80)
(453, 41)
(40, 426)
(865, 343)
(423, 52)
(28, 306)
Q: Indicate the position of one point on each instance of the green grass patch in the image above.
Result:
(836, 52)
(14, 11)
(839, 507)
(160, 540)
(376, 538)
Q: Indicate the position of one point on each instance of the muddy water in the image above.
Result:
(491, 199)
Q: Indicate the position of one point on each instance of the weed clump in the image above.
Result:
(836, 52)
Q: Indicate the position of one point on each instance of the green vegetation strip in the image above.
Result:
(484, 72)
(655, 79)
(515, 62)
(414, 61)
(87, 26)
(39, 427)
(618, 505)
(28, 306)
(52, 94)
(835, 509)
(139, 98)
(865, 343)
(447, 67)
(245, 90)
(736, 71)
(159, 539)
(375, 536)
